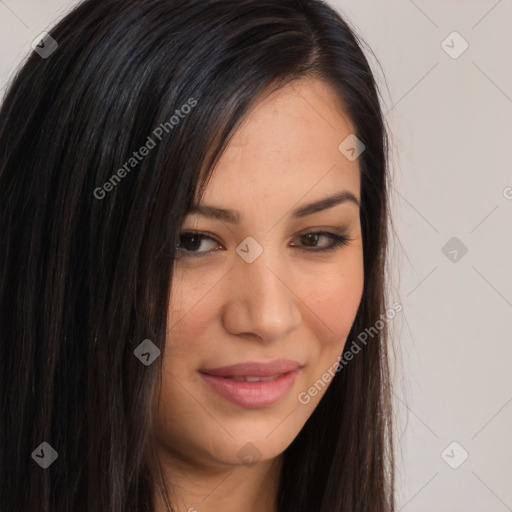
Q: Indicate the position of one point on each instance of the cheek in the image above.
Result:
(326, 295)
(193, 310)
(333, 297)
(334, 300)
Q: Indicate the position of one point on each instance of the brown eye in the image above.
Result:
(191, 241)
(313, 237)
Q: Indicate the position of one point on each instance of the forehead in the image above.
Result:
(286, 146)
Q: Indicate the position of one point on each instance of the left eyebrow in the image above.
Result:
(233, 216)
(323, 204)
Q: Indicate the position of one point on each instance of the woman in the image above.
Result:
(194, 223)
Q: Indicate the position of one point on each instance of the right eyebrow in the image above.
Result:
(233, 216)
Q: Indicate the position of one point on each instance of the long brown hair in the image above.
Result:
(87, 250)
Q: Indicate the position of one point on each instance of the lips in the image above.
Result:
(254, 369)
(253, 385)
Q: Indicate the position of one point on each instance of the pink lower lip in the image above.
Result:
(252, 394)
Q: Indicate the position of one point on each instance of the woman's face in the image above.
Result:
(258, 292)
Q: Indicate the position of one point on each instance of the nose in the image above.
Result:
(261, 299)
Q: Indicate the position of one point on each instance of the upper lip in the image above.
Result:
(255, 369)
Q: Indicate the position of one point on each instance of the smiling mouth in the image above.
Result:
(251, 392)
(253, 379)
(254, 369)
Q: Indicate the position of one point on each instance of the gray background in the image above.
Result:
(451, 124)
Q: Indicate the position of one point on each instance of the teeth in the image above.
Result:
(253, 379)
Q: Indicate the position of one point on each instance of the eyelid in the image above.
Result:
(338, 236)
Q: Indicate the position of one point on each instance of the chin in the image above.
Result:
(252, 443)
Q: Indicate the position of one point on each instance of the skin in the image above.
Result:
(286, 304)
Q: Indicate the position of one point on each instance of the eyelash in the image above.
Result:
(337, 241)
